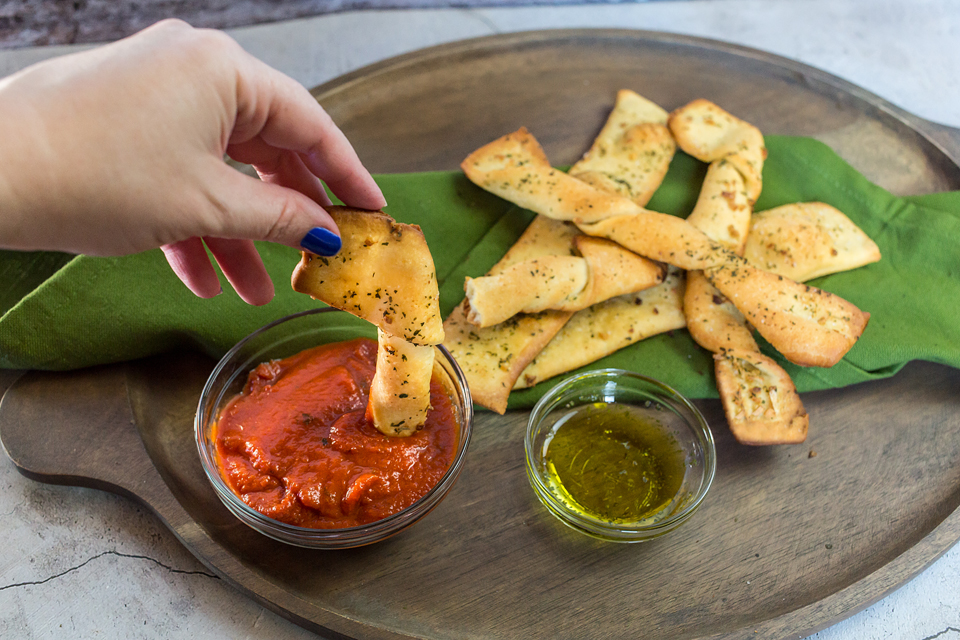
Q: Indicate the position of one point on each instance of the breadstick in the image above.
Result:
(713, 321)
(515, 168)
(709, 133)
(723, 210)
(607, 327)
(809, 326)
(631, 154)
(759, 399)
(384, 273)
(493, 357)
(807, 240)
(400, 389)
(527, 287)
(560, 282)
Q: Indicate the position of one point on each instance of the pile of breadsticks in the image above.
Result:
(596, 271)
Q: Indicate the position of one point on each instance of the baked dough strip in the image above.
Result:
(630, 157)
(807, 240)
(609, 326)
(708, 133)
(603, 270)
(632, 153)
(384, 273)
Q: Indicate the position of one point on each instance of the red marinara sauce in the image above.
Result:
(296, 445)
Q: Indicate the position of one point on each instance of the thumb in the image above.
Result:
(253, 209)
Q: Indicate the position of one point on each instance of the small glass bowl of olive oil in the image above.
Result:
(619, 456)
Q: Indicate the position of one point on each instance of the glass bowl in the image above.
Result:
(619, 456)
(289, 336)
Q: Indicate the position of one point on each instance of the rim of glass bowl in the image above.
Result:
(595, 527)
(342, 538)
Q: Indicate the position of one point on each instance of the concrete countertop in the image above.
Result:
(80, 563)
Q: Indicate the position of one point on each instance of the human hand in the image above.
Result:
(120, 149)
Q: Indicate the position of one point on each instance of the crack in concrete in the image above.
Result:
(100, 555)
(937, 635)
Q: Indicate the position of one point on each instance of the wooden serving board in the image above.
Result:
(789, 540)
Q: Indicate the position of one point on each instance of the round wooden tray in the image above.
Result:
(789, 540)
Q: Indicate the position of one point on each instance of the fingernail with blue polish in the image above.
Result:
(321, 242)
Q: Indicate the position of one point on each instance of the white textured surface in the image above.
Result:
(78, 563)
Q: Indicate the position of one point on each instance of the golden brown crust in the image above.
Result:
(631, 154)
(560, 282)
(531, 286)
(660, 237)
(612, 271)
(723, 211)
(714, 323)
(809, 326)
(607, 327)
(515, 168)
(383, 273)
(809, 329)
(629, 157)
(759, 399)
(631, 108)
(400, 390)
(709, 133)
(643, 170)
(807, 240)
(492, 358)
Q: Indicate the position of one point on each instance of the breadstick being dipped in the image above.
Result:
(384, 273)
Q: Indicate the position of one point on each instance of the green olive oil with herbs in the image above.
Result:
(614, 462)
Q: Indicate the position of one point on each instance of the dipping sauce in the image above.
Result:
(297, 446)
(613, 462)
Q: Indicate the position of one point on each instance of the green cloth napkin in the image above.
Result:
(63, 312)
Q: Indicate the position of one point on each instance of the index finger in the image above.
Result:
(284, 115)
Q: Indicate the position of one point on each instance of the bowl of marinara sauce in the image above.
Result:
(285, 440)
